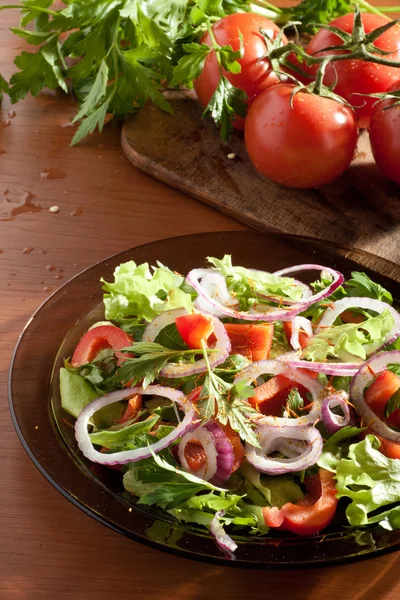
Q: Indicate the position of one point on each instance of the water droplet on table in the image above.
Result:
(53, 173)
(27, 250)
(13, 204)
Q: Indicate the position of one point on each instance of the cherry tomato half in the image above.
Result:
(303, 142)
(255, 75)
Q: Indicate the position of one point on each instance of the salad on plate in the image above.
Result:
(243, 401)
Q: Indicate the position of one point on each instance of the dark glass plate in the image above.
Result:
(45, 430)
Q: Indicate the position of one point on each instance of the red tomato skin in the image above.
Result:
(100, 338)
(251, 340)
(194, 328)
(387, 447)
(379, 393)
(271, 396)
(304, 338)
(356, 76)
(313, 513)
(384, 135)
(306, 145)
(255, 75)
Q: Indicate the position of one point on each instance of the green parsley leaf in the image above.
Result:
(124, 438)
(191, 64)
(88, 125)
(226, 101)
(96, 93)
(392, 404)
(294, 404)
(3, 87)
(169, 337)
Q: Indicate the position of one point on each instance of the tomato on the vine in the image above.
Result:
(384, 134)
(256, 74)
(354, 75)
(303, 141)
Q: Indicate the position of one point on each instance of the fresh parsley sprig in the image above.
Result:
(152, 357)
(227, 402)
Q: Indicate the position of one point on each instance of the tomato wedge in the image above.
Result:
(133, 408)
(195, 455)
(194, 328)
(101, 338)
(253, 341)
(304, 338)
(310, 515)
(387, 447)
(379, 393)
(270, 397)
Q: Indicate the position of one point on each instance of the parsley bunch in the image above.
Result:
(118, 54)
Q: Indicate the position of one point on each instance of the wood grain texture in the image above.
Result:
(49, 549)
(360, 209)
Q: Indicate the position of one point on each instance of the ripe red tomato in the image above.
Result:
(255, 75)
(379, 393)
(305, 145)
(384, 134)
(357, 76)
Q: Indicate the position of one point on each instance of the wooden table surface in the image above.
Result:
(49, 548)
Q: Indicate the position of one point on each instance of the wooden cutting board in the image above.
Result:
(361, 209)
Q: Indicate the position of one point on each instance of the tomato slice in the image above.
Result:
(101, 338)
(270, 397)
(195, 455)
(387, 447)
(379, 393)
(253, 341)
(349, 316)
(304, 338)
(194, 328)
(310, 515)
(133, 408)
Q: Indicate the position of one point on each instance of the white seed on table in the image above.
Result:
(54, 209)
(231, 155)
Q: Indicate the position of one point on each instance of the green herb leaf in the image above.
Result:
(392, 404)
(96, 94)
(169, 337)
(226, 101)
(123, 438)
(361, 285)
(191, 64)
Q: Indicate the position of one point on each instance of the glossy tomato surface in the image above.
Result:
(384, 134)
(357, 76)
(305, 143)
(255, 75)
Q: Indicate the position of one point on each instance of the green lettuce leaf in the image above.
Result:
(124, 438)
(368, 478)
(247, 284)
(337, 341)
(273, 490)
(337, 447)
(143, 293)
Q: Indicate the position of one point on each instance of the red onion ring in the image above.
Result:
(222, 345)
(331, 314)
(332, 421)
(158, 323)
(269, 437)
(224, 541)
(338, 279)
(361, 380)
(274, 367)
(218, 450)
(213, 304)
(120, 458)
(329, 368)
(300, 324)
(214, 284)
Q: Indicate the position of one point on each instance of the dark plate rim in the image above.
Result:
(185, 553)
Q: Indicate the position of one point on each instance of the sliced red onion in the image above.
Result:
(206, 439)
(337, 280)
(120, 458)
(218, 449)
(275, 367)
(214, 305)
(222, 345)
(224, 541)
(214, 284)
(361, 380)
(332, 421)
(158, 323)
(299, 324)
(332, 313)
(270, 437)
(328, 368)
